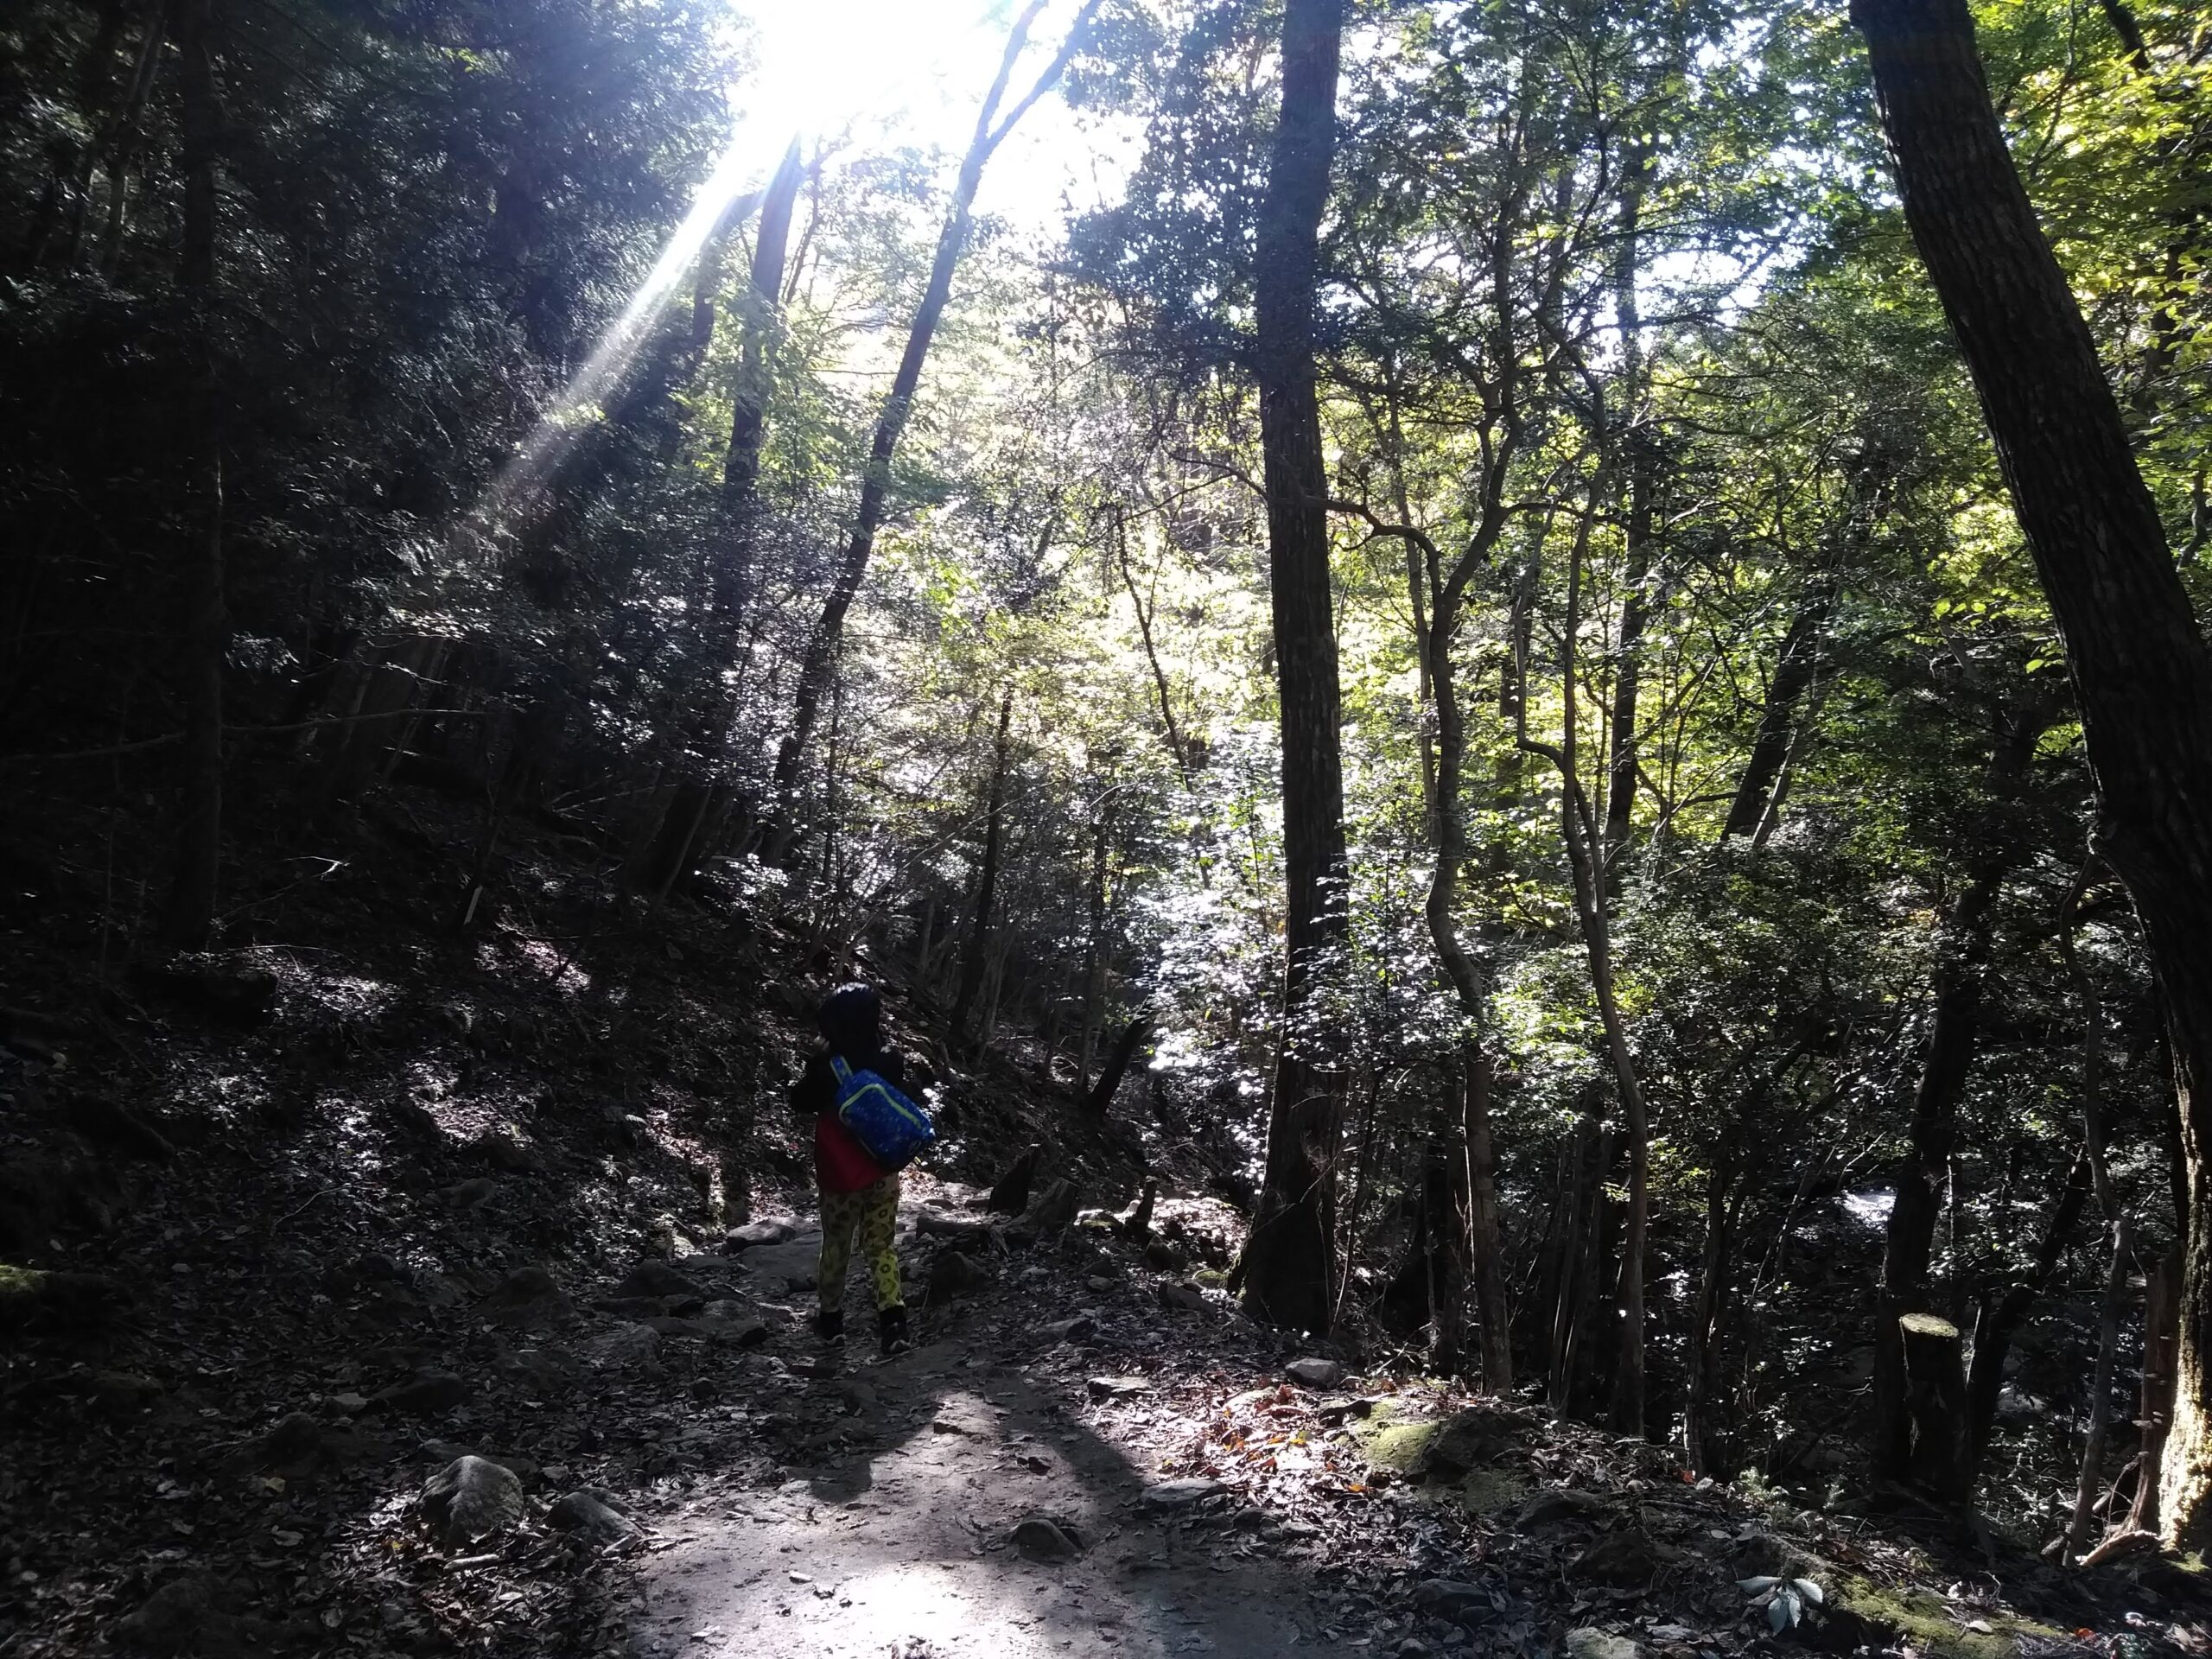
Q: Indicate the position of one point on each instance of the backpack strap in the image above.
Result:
(844, 1073)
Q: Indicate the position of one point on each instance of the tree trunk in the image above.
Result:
(1290, 1257)
(1935, 1400)
(1793, 675)
(1094, 962)
(1584, 838)
(979, 928)
(1999, 1318)
(190, 918)
(1448, 828)
(1723, 1186)
(2092, 1479)
(828, 633)
(1117, 1065)
(1909, 1237)
(676, 845)
(1639, 461)
(2142, 675)
(2161, 1304)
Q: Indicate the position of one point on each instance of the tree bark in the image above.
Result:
(190, 918)
(819, 661)
(1094, 961)
(979, 929)
(1908, 1238)
(2000, 1316)
(1117, 1065)
(1639, 462)
(1290, 1257)
(1793, 675)
(2142, 674)
(1584, 838)
(2092, 1479)
(677, 843)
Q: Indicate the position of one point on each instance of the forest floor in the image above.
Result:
(321, 1230)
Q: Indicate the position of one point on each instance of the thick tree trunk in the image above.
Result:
(1290, 1258)
(979, 926)
(190, 917)
(819, 661)
(2142, 675)
(2161, 1303)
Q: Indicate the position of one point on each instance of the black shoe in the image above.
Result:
(829, 1324)
(891, 1326)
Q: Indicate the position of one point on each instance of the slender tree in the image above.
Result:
(191, 914)
(819, 661)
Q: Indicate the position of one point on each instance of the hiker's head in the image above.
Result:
(852, 1019)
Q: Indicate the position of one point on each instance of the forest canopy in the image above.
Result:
(1459, 594)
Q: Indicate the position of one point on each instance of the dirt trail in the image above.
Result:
(900, 1540)
(888, 1527)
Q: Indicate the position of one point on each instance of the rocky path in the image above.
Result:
(954, 1507)
(960, 1499)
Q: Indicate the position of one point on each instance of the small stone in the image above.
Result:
(296, 1441)
(756, 1232)
(1450, 1598)
(1167, 1257)
(591, 1511)
(1099, 1281)
(1182, 1494)
(170, 1620)
(1625, 1560)
(1041, 1539)
(627, 1346)
(503, 1149)
(1316, 1373)
(471, 1498)
(1252, 1520)
(1562, 1503)
(1118, 1387)
(952, 1274)
(351, 1403)
(1586, 1642)
(426, 1396)
(124, 1392)
(1184, 1298)
(657, 1278)
(1081, 1328)
(527, 1296)
(470, 1194)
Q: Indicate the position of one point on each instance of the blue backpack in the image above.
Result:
(890, 1128)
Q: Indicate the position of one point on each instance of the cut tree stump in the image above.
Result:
(1935, 1382)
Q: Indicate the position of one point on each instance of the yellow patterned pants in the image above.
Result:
(871, 1214)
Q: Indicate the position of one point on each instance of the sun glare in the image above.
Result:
(835, 74)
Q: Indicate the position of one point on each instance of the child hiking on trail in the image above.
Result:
(857, 1197)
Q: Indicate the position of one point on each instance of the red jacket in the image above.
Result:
(840, 1164)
